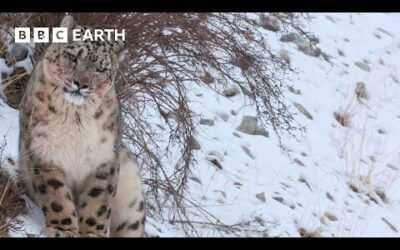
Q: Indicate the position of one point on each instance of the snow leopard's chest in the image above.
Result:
(76, 146)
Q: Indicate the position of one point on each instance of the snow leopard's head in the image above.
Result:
(82, 68)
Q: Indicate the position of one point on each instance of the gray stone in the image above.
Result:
(317, 52)
(237, 135)
(340, 52)
(216, 154)
(270, 23)
(330, 18)
(314, 39)
(303, 180)
(303, 110)
(361, 90)
(261, 131)
(309, 50)
(291, 37)
(215, 158)
(303, 44)
(284, 55)
(372, 158)
(216, 163)
(19, 52)
(394, 79)
(230, 92)
(195, 144)
(295, 38)
(392, 166)
(224, 116)
(195, 179)
(248, 125)
(261, 196)
(381, 131)
(208, 122)
(297, 161)
(330, 197)
(278, 199)
(207, 78)
(247, 151)
(363, 66)
(330, 216)
(294, 91)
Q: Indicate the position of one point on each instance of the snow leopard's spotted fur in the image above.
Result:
(70, 152)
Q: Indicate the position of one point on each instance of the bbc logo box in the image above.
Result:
(60, 35)
(41, 35)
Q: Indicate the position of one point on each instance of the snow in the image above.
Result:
(333, 183)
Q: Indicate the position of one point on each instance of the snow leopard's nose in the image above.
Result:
(81, 85)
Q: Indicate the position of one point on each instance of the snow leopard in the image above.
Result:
(71, 156)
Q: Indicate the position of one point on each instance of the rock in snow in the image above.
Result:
(261, 196)
(339, 181)
(270, 23)
(208, 122)
(230, 92)
(249, 126)
(303, 110)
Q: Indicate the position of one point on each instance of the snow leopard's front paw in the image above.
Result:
(52, 232)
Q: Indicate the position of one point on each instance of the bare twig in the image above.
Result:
(168, 53)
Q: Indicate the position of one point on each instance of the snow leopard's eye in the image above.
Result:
(93, 58)
(72, 57)
(101, 69)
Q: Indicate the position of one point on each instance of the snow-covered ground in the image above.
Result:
(339, 181)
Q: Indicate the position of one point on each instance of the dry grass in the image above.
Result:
(366, 165)
(343, 118)
(2, 47)
(11, 204)
(364, 155)
(14, 87)
(347, 110)
(167, 53)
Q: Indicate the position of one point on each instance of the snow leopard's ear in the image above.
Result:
(69, 23)
(119, 49)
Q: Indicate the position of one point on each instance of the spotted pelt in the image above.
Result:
(70, 153)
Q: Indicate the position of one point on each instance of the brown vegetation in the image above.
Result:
(167, 54)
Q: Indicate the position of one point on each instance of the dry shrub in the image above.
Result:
(167, 54)
(2, 48)
(343, 119)
(304, 233)
(14, 86)
(11, 203)
(346, 113)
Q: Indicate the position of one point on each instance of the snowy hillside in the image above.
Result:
(341, 178)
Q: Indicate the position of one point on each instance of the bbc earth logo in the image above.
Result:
(60, 35)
